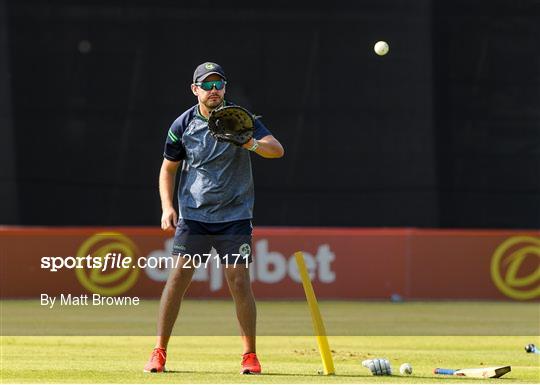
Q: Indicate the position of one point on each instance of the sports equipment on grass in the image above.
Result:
(491, 372)
(405, 369)
(318, 325)
(378, 366)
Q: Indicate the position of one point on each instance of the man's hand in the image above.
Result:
(169, 218)
(378, 366)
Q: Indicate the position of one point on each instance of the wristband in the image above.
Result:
(254, 146)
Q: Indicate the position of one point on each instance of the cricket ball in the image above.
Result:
(381, 48)
(405, 369)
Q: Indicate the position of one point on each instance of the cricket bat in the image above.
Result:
(491, 372)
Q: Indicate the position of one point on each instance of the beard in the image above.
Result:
(213, 103)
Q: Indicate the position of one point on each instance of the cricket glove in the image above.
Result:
(232, 124)
(378, 366)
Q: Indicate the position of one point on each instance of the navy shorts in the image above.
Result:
(231, 240)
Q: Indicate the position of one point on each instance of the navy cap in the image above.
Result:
(205, 69)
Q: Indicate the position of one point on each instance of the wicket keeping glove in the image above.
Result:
(232, 124)
(378, 366)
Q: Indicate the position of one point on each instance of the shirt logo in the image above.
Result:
(244, 250)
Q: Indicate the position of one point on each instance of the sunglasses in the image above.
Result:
(207, 86)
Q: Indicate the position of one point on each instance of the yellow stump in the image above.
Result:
(318, 325)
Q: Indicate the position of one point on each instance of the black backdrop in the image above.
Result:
(442, 132)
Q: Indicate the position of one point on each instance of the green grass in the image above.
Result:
(285, 359)
(198, 317)
(111, 345)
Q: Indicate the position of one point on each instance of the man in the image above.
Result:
(215, 199)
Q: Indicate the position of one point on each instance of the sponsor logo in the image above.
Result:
(515, 267)
(268, 266)
(114, 281)
(179, 249)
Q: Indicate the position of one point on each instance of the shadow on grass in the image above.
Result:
(265, 374)
(268, 374)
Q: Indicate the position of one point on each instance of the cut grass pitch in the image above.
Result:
(341, 318)
(111, 345)
(290, 359)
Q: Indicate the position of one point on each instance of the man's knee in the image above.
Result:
(240, 283)
(179, 276)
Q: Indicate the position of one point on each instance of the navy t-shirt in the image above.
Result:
(216, 184)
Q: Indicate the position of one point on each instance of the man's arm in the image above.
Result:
(167, 177)
(269, 147)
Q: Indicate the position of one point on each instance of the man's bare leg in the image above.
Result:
(246, 310)
(171, 299)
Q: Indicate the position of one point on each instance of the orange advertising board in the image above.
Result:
(344, 263)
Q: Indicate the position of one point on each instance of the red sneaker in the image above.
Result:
(250, 364)
(156, 364)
